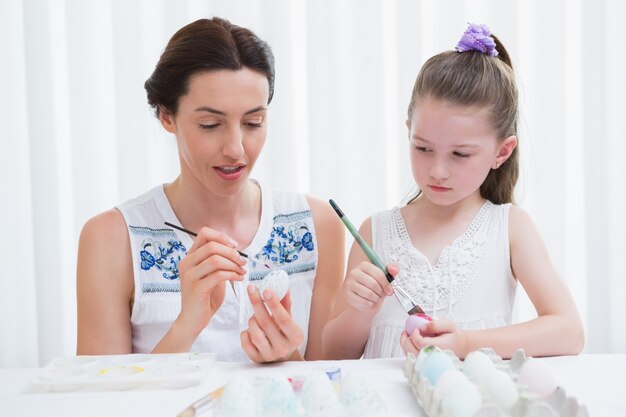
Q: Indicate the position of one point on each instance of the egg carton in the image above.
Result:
(530, 404)
(123, 372)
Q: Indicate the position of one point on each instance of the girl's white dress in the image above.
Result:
(471, 283)
(285, 239)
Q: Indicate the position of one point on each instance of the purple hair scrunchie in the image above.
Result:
(477, 38)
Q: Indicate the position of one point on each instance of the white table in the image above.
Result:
(598, 381)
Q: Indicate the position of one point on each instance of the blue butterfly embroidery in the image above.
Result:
(164, 258)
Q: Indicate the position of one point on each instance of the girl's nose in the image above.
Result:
(439, 170)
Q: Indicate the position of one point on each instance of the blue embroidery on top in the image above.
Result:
(147, 231)
(286, 243)
(292, 217)
(155, 254)
(157, 287)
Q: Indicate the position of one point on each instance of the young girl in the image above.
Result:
(460, 246)
(145, 287)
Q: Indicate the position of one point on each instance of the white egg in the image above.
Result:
(358, 394)
(277, 281)
(501, 389)
(477, 366)
(318, 393)
(448, 379)
(462, 400)
(238, 399)
(277, 397)
(538, 376)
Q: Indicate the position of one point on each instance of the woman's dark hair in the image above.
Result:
(205, 45)
(475, 79)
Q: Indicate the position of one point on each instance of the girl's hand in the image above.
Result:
(211, 261)
(275, 337)
(366, 287)
(441, 333)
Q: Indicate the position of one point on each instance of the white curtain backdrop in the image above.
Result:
(77, 136)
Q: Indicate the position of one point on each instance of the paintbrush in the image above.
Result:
(408, 304)
(203, 403)
(189, 232)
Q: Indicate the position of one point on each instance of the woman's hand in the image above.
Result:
(366, 286)
(441, 333)
(275, 337)
(210, 262)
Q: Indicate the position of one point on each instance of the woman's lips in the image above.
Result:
(229, 173)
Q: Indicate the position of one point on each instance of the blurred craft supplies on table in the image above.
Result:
(203, 404)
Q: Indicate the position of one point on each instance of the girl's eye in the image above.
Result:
(209, 127)
(423, 149)
(461, 155)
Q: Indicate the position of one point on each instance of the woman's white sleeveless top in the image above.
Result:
(471, 283)
(285, 240)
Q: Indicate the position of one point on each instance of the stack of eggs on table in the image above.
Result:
(445, 386)
(320, 393)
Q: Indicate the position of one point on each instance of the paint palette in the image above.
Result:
(124, 372)
(485, 385)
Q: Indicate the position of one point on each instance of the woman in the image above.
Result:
(145, 287)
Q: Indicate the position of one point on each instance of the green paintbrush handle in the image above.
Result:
(362, 243)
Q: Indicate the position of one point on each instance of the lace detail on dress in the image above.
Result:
(440, 286)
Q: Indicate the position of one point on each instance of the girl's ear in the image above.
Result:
(167, 120)
(506, 148)
(408, 127)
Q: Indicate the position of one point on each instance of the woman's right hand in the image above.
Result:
(366, 286)
(210, 262)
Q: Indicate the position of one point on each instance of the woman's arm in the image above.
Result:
(210, 262)
(277, 337)
(104, 286)
(361, 297)
(556, 331)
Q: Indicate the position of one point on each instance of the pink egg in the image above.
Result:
(415, 321)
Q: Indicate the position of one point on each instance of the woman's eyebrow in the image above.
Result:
(221, 113)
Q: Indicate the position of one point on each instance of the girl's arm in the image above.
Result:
(104, 286)
(330, 270)
(556, 331)
(361, 297)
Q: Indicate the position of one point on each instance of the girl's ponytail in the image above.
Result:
(503, 54)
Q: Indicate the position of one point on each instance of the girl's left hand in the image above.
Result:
(441, 333)
(275, 337)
